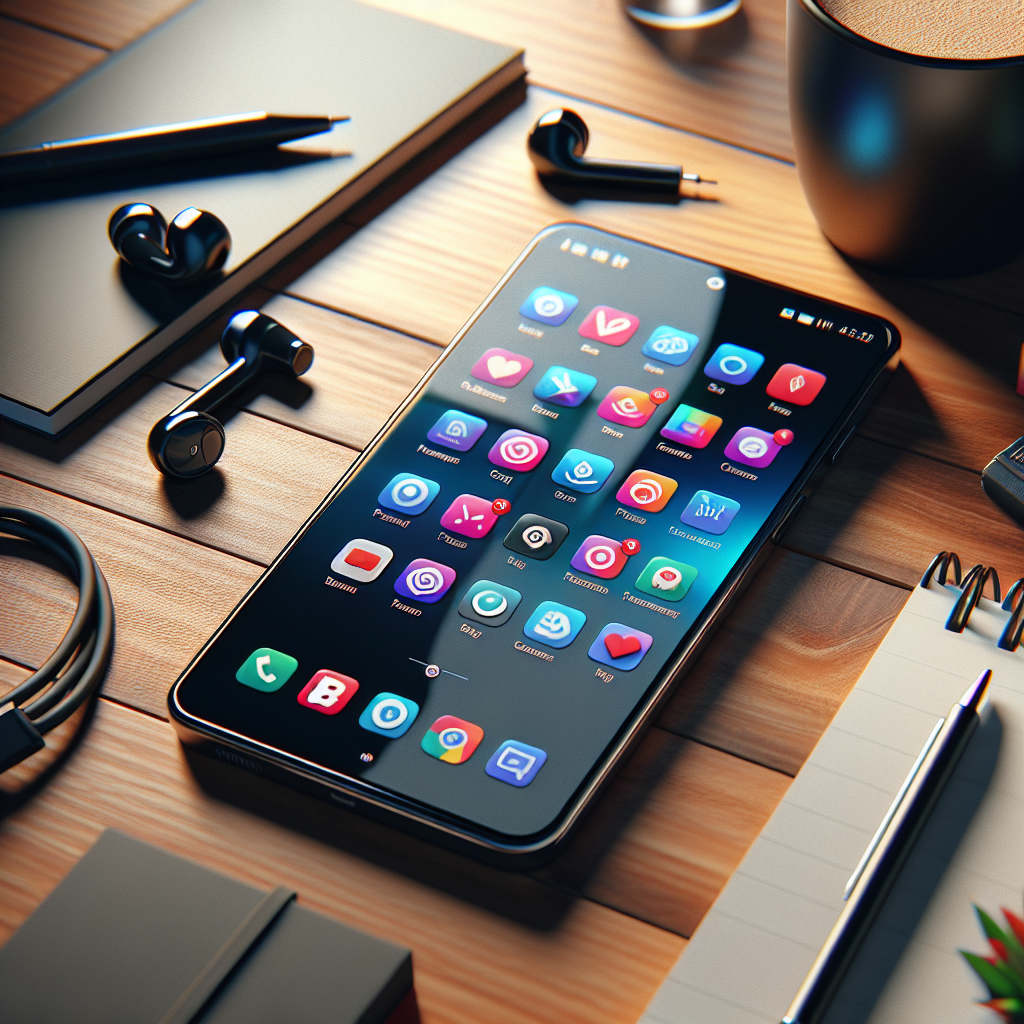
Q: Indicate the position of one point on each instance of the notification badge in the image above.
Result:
(328, 692)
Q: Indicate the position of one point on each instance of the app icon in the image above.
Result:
(362, 560)
(620, 647)
(424, 580)
(548, 306)
(409, 493)
(669, 345)
(600, 556)
(628, 406)
(266, 669)
(753, 447)
(611, 326)
(516, 449)
(733, 364)
(554, 624)
(328, 692)
(452, 739)
(389, 715)
(646, 490)
(516, 763)
(469, 515)
(582, 471)
(795, 384)
(457, 429)
(536, 536)
(499, 366)
(710, 512)
(691, 426)
(666, 579)
(489, 603)
(563, 386)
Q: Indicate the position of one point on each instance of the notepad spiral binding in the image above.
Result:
(971, 586)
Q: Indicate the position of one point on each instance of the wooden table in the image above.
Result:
(590, 937)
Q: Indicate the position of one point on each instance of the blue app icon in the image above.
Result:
(456, 429)
(733, 364)
(516, 763)
(409, 493)
(554, 624)
(389, 715)
(548, 306)
(710, 512)
(669, 345)
(564, 386)
(582, 471)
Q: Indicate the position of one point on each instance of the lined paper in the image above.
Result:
(754, 947)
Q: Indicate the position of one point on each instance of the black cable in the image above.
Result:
(74, 671)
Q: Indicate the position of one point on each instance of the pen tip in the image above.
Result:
(973, 697)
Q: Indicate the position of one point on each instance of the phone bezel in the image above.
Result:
(196, 731)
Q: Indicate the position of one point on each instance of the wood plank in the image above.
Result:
(471, 964)
(360, 373)
(887, 512)
(664, 839)
(169, 595)
(424, 264)
(107, 23)
(269, 480)
(774, 676)
(740, 98)
(36, 64)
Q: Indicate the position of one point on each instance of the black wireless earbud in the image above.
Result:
(196, 244)
(188, 441)
(556, 146)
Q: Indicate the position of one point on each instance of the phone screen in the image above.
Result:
(498, 586)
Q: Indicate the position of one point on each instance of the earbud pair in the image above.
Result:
(188, 441)
(195, 244)
(556, 145)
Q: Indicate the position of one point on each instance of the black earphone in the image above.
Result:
(195, 244)
(188, 441)
(556, 145)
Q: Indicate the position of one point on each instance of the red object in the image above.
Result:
(500, 506)
(795, 384)
(659, 395)
(328, 692)
(631, 546)
(619, 646)
(783, 436)
(361, 559)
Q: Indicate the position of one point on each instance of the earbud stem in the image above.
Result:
(218, 390)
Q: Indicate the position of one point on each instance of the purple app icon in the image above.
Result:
(752, 447)
(457, 429)
(425, 581)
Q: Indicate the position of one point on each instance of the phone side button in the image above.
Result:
(838, 450)
(790, 516)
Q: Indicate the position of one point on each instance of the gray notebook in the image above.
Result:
(75, 326)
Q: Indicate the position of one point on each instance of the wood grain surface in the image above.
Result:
(590, 936)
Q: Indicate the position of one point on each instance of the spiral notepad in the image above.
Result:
(757, 942)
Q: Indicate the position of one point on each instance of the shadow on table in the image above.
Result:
(878, 959)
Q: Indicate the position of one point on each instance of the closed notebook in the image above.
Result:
(131, 928)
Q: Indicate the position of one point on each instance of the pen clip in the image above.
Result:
(891, 813)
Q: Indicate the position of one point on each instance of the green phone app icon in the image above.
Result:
(266, 669)
(666, 579)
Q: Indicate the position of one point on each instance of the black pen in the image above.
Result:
(905, 821)
(214, 136)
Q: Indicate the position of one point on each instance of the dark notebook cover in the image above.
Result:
(75, 327)
(131, 926)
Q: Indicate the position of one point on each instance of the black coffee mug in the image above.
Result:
(911, 155)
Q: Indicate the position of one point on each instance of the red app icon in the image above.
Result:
(328, 692)
(608, 325)
(795, 384)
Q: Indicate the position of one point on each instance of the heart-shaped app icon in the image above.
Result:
(619, 646)
(606, 327)
(609, 325)
(499, 366)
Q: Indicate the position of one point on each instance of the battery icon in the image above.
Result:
(805, 318)
(788, 314)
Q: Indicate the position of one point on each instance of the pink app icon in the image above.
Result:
(501, 367)
(469, 515)
(627, 406)
(516, 449)
(608, 325)
(600, 556)
(752, 446)
(328, 692)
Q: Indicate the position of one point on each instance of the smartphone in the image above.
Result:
(474, 627)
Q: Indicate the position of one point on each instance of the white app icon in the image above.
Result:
(362, 560)
(554, 625)
(666, 578)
